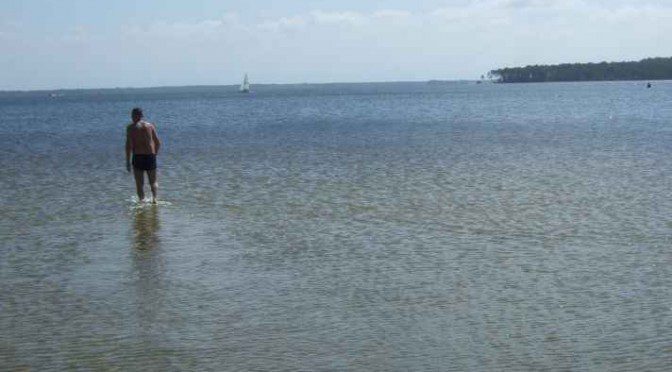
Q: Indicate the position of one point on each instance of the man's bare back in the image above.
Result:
(143, 138)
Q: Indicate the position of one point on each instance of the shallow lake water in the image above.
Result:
(397, 226)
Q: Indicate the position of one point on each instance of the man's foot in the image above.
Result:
(154, 201)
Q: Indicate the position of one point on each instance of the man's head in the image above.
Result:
(136, 114)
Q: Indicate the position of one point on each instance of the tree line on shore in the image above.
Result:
(646, 69)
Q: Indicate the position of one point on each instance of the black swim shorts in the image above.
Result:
(144, 162)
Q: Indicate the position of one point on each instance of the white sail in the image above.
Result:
(245, 86)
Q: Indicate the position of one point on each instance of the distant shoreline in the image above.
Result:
(65, 92)
(645, 69)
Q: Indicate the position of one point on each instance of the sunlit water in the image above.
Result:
(342, 227)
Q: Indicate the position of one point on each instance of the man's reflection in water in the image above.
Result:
(146, 228)
(148, 271)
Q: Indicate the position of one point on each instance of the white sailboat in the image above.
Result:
(245, 86)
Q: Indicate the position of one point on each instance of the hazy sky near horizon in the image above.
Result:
(48, 44)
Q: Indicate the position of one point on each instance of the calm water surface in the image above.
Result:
(342, 227)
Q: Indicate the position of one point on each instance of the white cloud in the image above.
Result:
(9, 29)
(343, 18)
(284, 24)
(188, 30)
(391, 14)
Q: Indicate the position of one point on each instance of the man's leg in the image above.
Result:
(153, 184)
(139, 180)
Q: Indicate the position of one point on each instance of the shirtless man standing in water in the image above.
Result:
(143, 143)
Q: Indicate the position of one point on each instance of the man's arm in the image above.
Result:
(157, 142)
(129, 148)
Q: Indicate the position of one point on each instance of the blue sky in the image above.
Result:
(84, 44)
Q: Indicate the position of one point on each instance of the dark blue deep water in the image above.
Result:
(397, 226)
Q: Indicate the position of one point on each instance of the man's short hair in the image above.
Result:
(136, 111)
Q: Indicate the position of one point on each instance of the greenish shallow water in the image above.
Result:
(398, 226)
